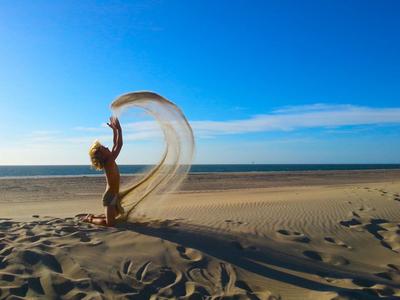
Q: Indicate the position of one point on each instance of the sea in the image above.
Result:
(85, 170)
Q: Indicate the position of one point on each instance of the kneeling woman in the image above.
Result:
(104, 159)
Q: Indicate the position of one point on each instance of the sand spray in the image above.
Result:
(141, 197)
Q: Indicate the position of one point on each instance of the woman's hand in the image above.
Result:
(117, 138)
(114, 123)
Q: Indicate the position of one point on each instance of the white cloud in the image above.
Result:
(313, 107)
(289, 118)
(294, 118)
(52, 146)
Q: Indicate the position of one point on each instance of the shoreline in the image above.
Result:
(283, 172)
(91, 188)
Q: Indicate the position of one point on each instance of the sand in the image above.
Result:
(300, 235)
(174, 164)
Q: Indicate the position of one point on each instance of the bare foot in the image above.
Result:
(87, 218)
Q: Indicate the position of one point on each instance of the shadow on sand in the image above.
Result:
(258, 258)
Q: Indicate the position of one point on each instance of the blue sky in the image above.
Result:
(261, 81)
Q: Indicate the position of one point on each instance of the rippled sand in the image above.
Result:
(319, 235)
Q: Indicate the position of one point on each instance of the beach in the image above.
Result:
(275, 235)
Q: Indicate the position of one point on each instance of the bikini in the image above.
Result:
(112, 199)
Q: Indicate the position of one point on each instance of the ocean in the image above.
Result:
(81, 170)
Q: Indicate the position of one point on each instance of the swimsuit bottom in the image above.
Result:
(111, 199)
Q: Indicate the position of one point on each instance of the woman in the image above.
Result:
(104, 159)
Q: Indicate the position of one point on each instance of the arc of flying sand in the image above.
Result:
(145, 180)
(176, 160)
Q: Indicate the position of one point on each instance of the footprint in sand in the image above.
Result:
(69, 288)
(383, 192)
(294, 236)
(126, 267)
(353, 223)
(388, 233)
(336, 242)
(392, 273)
(149, 281)
(364, 209)
(32, 285)
(233, 222)
(32, 257)
(189, 254)
(374, 289)
(396, 196)
(142, 272)
(30, 239)
(221, 279)
(5, 224)
(6, 250)
(335, 260)
(363, 294)
(62, 285)
(382, 291)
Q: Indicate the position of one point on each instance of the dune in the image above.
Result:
(315, 235)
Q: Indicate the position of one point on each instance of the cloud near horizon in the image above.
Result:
(302, 117)
(288, 118)
(66, 147)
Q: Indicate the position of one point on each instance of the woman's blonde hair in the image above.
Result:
(97, 163)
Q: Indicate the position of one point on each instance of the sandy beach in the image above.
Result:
(295, 235)
(231, 149)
